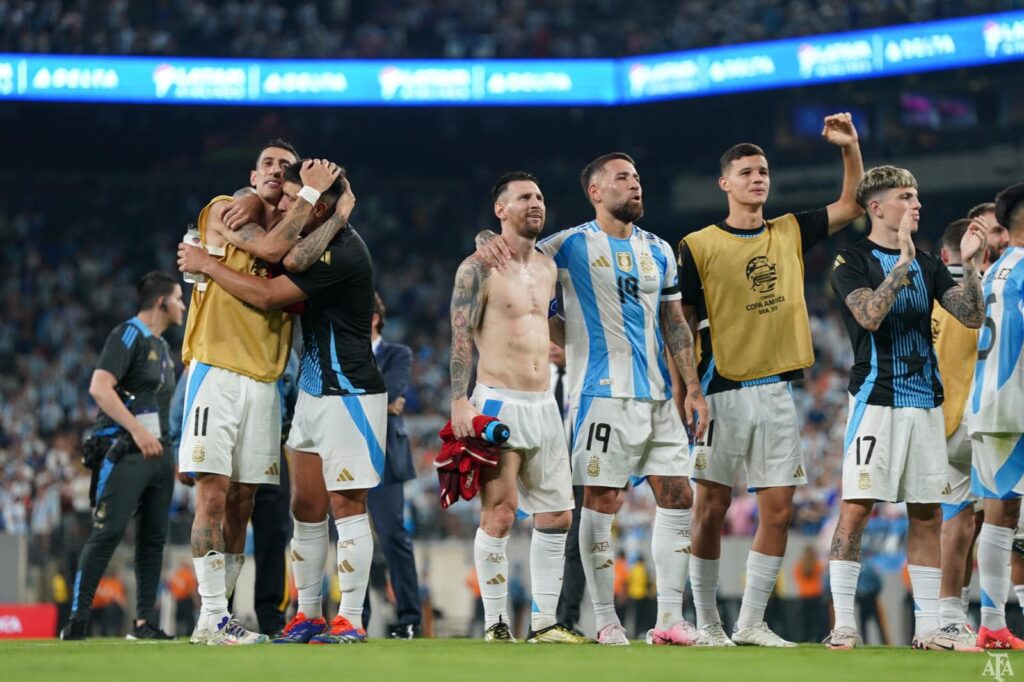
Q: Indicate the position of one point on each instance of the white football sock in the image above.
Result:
(704, 583)
(210, 575)
(843, 578)
(925, 582)
(232, 568)
(309, 553)
(762, 572)
(965, 599)
(492, 574)
(994, 545)
(951, 612)
(355, 552)
(547, 563)
(670, 548)
(598, 561)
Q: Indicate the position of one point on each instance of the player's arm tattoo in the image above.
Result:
(271, 245)
(466, 312)
(869, 307)
(679, 340)
(966, 302)
(846, 546)
(310, 248)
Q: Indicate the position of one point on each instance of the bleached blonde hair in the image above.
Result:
(881, 178)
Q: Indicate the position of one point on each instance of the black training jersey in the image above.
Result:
(813, 229)
(895, 365)
(141, 363)
(337, 358)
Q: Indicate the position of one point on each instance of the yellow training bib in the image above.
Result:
(225, 332)
(754, 291)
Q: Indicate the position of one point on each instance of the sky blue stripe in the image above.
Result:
(105, 470)
(986, 601)
(853, 425)
(492, 408)
(1009, 474)
(141, 326)
(355, 409)
(869, 381)
(1011, 336)
(985, 339)
(634, 318)
(311, 379)
(581, 416)
(343, 381)
(773, 379)
(951, 511)
(709, 374)
(661, 261)
(597, 356)
(74, 598)
(195, 379)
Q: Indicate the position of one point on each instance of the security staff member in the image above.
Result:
(132, 385)
(386, 503)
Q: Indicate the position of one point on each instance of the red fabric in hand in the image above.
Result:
(460, 460)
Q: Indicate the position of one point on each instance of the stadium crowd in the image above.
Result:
(439, 28)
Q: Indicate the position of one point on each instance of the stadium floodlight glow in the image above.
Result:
(938, 45)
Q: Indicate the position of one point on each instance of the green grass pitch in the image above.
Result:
(451, 660)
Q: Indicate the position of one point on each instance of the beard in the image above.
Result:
(994, 252)
(528, 230)
(628, 212)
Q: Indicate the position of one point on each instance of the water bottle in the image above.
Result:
(192, 238)
(496, 432)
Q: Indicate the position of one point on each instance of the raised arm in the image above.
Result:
(965, 301)
(309, 249)
(274, 244)
(870, 306)
(679, 341)
(468, 300)
(840, 131)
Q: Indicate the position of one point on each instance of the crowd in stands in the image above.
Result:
(439, 28)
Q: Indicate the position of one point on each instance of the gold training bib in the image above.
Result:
(754, 291)
(956, 348)
(225, 332)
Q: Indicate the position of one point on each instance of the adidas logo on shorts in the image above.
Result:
(272, 470)
(799, 472)
(947, 490)
(345, 476)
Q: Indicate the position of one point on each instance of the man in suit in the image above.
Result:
(573, 578)
(386, 503)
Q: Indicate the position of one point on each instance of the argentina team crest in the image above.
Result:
(624, 261)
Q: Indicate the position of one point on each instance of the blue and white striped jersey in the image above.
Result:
(996, 402)
(612, 290)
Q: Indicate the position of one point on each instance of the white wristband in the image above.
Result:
(309, 194)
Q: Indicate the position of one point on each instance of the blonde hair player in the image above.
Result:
(894, 449)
